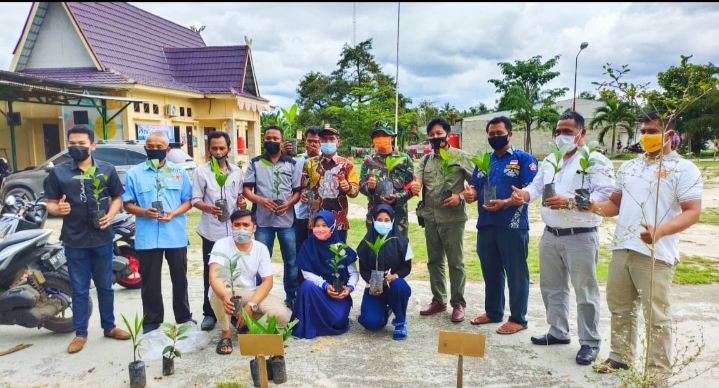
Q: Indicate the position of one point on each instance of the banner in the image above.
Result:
(144, 129)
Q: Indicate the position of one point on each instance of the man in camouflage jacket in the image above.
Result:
(375, 170)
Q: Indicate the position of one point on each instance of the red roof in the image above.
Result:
(133, 45)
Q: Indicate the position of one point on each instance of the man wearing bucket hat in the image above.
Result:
(385, 176)
(337, 180)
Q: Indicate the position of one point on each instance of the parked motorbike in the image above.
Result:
(124, 227)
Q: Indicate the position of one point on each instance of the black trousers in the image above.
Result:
(151, 271)
(207, 246)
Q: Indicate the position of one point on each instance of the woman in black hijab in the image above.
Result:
(395, 260)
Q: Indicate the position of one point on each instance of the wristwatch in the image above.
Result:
(461, 197)
(253, 306)
(570, 203)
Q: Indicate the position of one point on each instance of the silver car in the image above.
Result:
(28, 184)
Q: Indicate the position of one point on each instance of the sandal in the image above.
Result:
(400, 331)
(481, 320)
(510, 328)
(224, 343)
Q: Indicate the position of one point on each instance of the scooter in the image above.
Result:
(124, 246)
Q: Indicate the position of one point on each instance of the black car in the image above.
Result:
(28, 184)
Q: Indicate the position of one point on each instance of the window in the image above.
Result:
(114, 156)
(136, 107)
(155, 109)
(182, 111)
(189, 112)
(146, 108)
(134, 158)
(80, 117)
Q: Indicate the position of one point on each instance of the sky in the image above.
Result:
(447, 51)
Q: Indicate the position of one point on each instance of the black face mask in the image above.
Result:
(160, 155)
(221, 160)
(498, 142)
(78, 153)
(438, 142)
(272, 147)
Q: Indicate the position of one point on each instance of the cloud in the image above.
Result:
(447, 51)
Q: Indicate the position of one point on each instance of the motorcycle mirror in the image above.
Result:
(10, 200)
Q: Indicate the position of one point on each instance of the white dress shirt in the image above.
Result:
(599, 181)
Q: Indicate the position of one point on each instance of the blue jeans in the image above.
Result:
(287, 238)
(374, 313)
(504, 251)
(83, 263)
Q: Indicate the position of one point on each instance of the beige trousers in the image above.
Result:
(271, 305)
(628, 284)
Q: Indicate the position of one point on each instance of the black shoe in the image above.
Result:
(188, 321)
(587, 355)
(208, 323)
(548, 339)
(290, 304)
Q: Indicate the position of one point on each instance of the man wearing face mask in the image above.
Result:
(254, 260)
(205, 192)
(159, 235)
(272, 183)
(337, 180)
(89, 250)
(444, 220)
(374, 172)
(569, 247)
(503, 229)
(676, 207)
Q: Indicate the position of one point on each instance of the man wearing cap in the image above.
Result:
(338, 180)
(375, 170)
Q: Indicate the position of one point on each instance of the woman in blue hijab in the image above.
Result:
(320, 308)
(395, 259)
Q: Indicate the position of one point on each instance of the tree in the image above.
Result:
(586, 95)
(197, 30)
(522, 92)
(426, 111)
(479, 109)
(614, 114)
(447, 110)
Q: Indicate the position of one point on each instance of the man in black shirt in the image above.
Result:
(87, 211)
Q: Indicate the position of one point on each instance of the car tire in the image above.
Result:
(21, 192)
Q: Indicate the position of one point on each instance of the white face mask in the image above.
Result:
(568, 140)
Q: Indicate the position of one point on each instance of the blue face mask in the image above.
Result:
(383, 227)
(328, 148)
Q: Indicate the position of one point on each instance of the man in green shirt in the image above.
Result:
(444, 217)
(375, 171)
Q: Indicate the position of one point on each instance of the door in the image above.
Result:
(190, 148)
(207, 144)
(51, 133)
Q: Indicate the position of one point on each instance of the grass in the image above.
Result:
(696, 270)
(709, 215)
(230, 385)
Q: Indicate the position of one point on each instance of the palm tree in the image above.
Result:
(614, 114)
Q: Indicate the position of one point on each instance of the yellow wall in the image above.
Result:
(29, 136)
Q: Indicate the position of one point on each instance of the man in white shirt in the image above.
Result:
(254, 259)
(205, 191)
(629, 280)
(569, 248)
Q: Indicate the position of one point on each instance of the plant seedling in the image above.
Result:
(337, 264)
(585, 163)
(558, 153)
(387, 187)
(174, 333)
(276, 182)
(377, 275)
(97, 191)
(136, 368)
(221, 180)
(447, 172)
(229, 274)
(162, 176)
(483, 161)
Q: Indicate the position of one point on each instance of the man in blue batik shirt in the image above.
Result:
(157, 234)
(503, 229)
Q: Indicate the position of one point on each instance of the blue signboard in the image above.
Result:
(143, 130)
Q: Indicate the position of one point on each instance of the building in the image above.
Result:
(474, 136)
(188, 89)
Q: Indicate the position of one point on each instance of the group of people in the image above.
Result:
(303, 201)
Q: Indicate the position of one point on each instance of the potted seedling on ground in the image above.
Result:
(97, 191)
(229, 274)
(558, 153)
(483, 163)
(260, 326)
(174, 333)
(159, 184)
(337, 264)
(275, 183)
(221, 180)
(447, 173)
(387, 185)
(279, 368)
(136, 368)
(581, 196)
(377, 276)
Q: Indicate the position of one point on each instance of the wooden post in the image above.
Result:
(262, 365)
(261, 345)
(461, 344)
(460, 369)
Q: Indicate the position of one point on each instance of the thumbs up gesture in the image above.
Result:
(371, 182)
(518, 196)
(416, 186)
(63, 207)
(470, 194)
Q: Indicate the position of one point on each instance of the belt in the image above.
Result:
(570, 231)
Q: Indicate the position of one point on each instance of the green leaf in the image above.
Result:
(584, 163)
(266, 162)
(154, 163)
(168, 350)
(177, 353)
(444, 154)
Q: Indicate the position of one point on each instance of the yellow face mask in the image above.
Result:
(651, 142)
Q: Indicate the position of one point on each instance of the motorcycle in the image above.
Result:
(19, 215)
